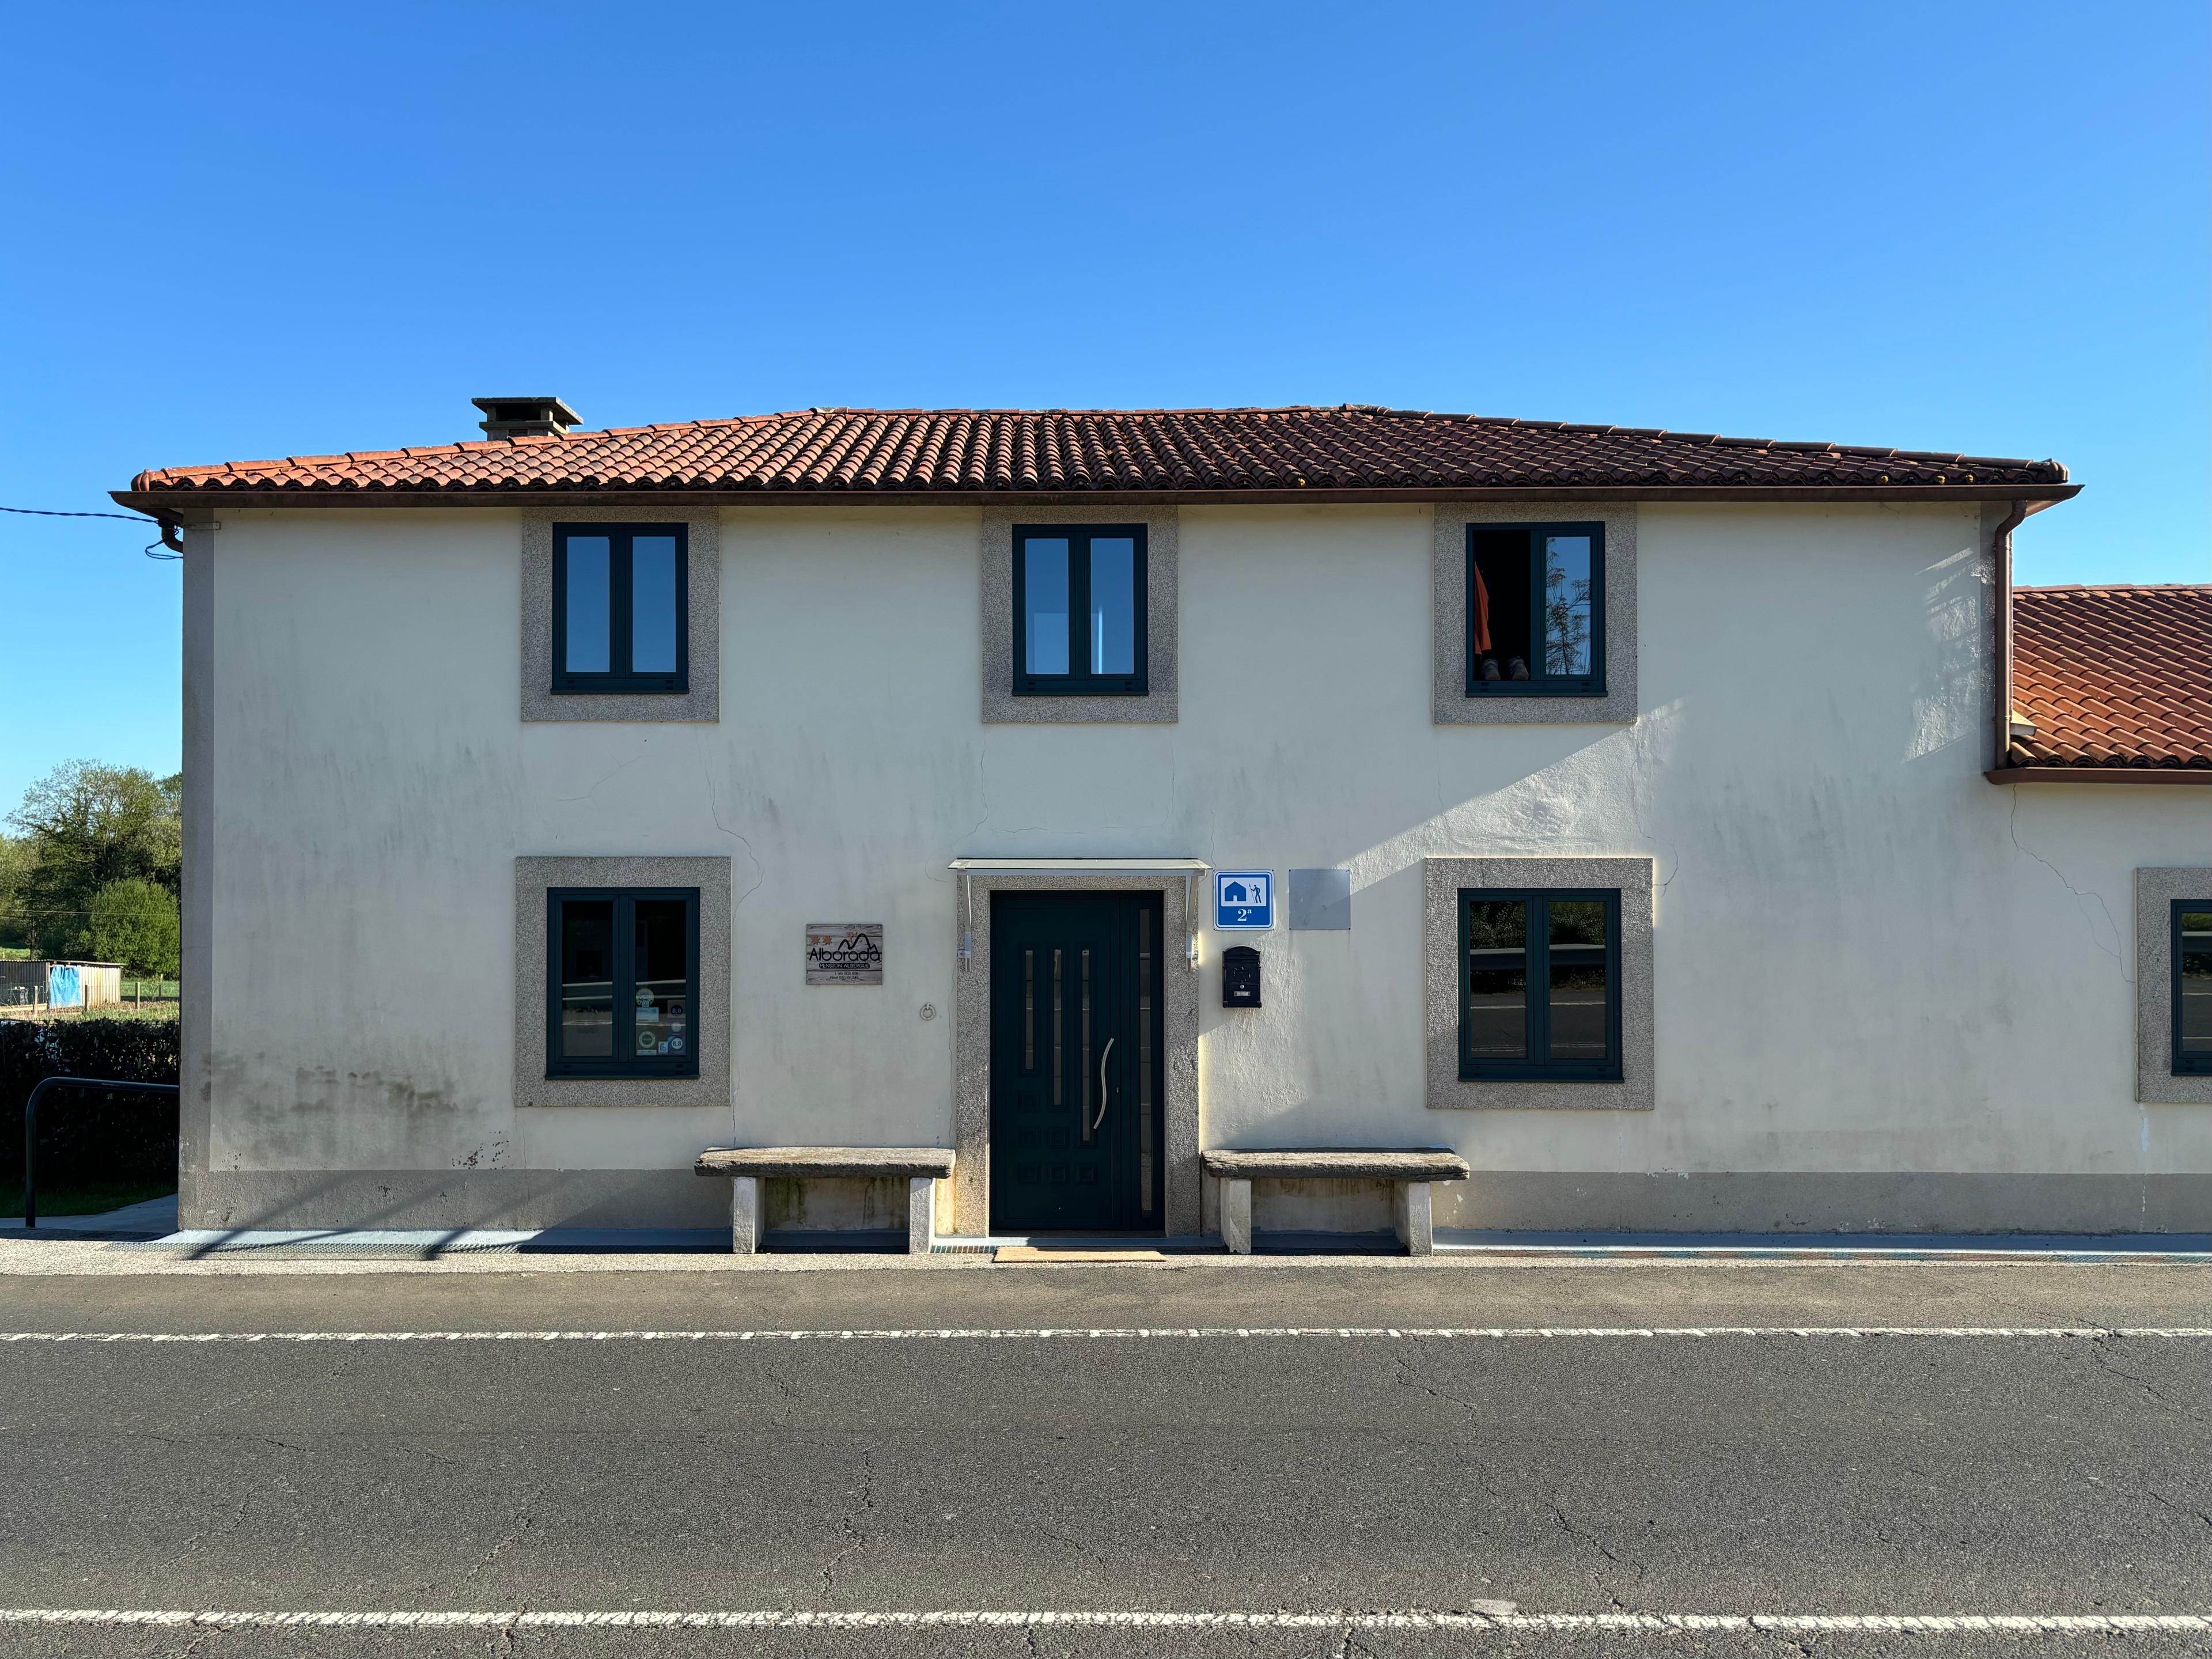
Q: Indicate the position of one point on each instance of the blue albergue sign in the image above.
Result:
(1244, 900)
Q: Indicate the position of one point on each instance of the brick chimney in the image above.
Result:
(525, 417)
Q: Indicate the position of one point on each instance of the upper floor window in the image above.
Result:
(1540, 984)
(622, 981)
(1535, 609)
(1079, 610)
(621, 599)
(2191, 957)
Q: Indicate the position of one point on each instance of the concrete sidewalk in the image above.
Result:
(145, 1238)
(93, 1252)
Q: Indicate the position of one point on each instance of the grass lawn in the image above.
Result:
(152, 1011)
(83, 1200)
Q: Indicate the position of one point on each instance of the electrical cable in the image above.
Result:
(128, 518)
(48, 513)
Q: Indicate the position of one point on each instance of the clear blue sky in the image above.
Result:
(245, 231)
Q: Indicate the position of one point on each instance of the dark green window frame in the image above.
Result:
(618, 676)
(624, 1061)
(1084, 683)
(1534, 1063)
(1541, 683)
(2186, 1064)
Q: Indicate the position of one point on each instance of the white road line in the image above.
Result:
(1918, 1624)
(1054, 1333)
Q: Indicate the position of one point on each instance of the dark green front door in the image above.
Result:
(1076, 1060)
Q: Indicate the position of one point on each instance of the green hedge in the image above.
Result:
(85, 1136)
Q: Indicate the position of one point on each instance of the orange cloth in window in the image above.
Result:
(1481, 613)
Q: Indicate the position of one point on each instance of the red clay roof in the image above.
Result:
(980, 451)
(2113, 676)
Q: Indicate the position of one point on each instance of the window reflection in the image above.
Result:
(1113, 605)
(653, 604)
(2193, 986)
(587, 1008)
(1497, 979)
(1044, 603)
(1566, 604)
(588, 628)
(1577, 972)
(661, 957)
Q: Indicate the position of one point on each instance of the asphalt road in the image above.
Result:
(1772, 1474)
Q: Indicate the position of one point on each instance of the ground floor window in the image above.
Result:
(622, 978)
(2192, 987)
(1540, 984)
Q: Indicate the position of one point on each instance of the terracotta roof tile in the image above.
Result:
(2113, 676)
(914, 451)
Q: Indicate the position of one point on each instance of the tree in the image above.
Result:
(1567, 624)
(87, 825)
(134, 921)
(16, 862)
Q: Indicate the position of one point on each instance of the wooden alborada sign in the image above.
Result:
(844, 953)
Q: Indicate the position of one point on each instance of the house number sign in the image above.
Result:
(844, 953)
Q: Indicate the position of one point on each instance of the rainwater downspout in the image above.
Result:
(2001, 548)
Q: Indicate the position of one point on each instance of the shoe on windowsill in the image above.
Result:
(1490, 670)
(1516, 669)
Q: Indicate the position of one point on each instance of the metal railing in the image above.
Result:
(31, 1127)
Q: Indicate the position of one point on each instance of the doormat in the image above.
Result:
(1017, 1253)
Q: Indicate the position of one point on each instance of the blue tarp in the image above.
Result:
(64, 987)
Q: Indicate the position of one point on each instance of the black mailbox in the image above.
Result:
(1240, 977)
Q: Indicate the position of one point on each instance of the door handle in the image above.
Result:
(1101, 1118)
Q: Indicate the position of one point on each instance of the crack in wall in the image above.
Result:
(594, 787)
(2012, 829)
(759, 870)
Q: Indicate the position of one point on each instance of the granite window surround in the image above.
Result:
(533, 878)
(1442, 880)
(2156, 889)
(1450, 702)
(1159, 705)
(703, 703)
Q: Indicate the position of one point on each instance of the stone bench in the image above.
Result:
(1410, 1171)
(746, 1167)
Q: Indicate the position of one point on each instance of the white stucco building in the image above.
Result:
(1643, 812)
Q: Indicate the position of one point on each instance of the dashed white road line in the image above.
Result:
(1054, 1333)
(1913, 1624)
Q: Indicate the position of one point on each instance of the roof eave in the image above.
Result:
(2032, 774)
(212, 498)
